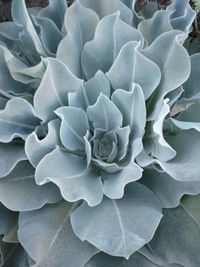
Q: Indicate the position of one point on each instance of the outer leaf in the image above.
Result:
(148, 10)
(186, 165)
(132, 106)
(17, 120)
(23, 73)
(30, 38)
(8, 225)
(7, 83)
(58, 244)
(178, 236)
(3, 101)
(107, 7)
(72, 131)
(189, 119)
(168, 190)
(150, 28)
(104, 114)
(174, 72)
(13, 255)
(135, 260)
(155, 144)
(192, 85)
(49, 34)
(80, 24)
(19, 192)
(121, 224)
(192, 44)
(131, 67)
(9, 32)
(182, 15)
(10, 155)
(111, 34)
(55, 85)
(36, 149)
(55, 11)
(128, 3)
(70, 173)
(152, 257)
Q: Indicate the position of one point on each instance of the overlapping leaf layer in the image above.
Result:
(99, 136)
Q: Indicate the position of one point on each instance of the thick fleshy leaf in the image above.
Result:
(77, 20)
(80, 24)
(168, 190)
(111, 34)
(155, 144)
(147, 27)
(104, 114)
(17, 120)
(192, 44)
(55, 85)
(7, 83)
(10, 155)
(71, 174)
(180, 106)
(153, 258)
(72, 131)
(107, 167)
(121, 224)
(36, 149)
(30, 38)
(55, 11)
(174, 72)
(182, 15)
(19, 191)
(132, 106)
(13, 255)
(136, 260)
(8, 225)
(58, 244)
(107, 7)
(115, 183)
(3, 101)
(148, 10)
(131, 67)
(88, 148)
(9, 32)
(189, 118)
(192, 85)
(174, 97)
(137, 18)
(22, 71)
(49, 34)
(89, 92)
(123, 135)
(186, 165)
(128, 3)
(178, 236)
(26, 75)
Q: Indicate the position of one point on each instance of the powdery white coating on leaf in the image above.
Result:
(120, 219)
(19, 192)
(53, 227)
(103, 102)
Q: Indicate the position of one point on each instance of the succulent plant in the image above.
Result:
(99, 135)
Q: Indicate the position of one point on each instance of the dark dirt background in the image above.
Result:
(5, 6)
